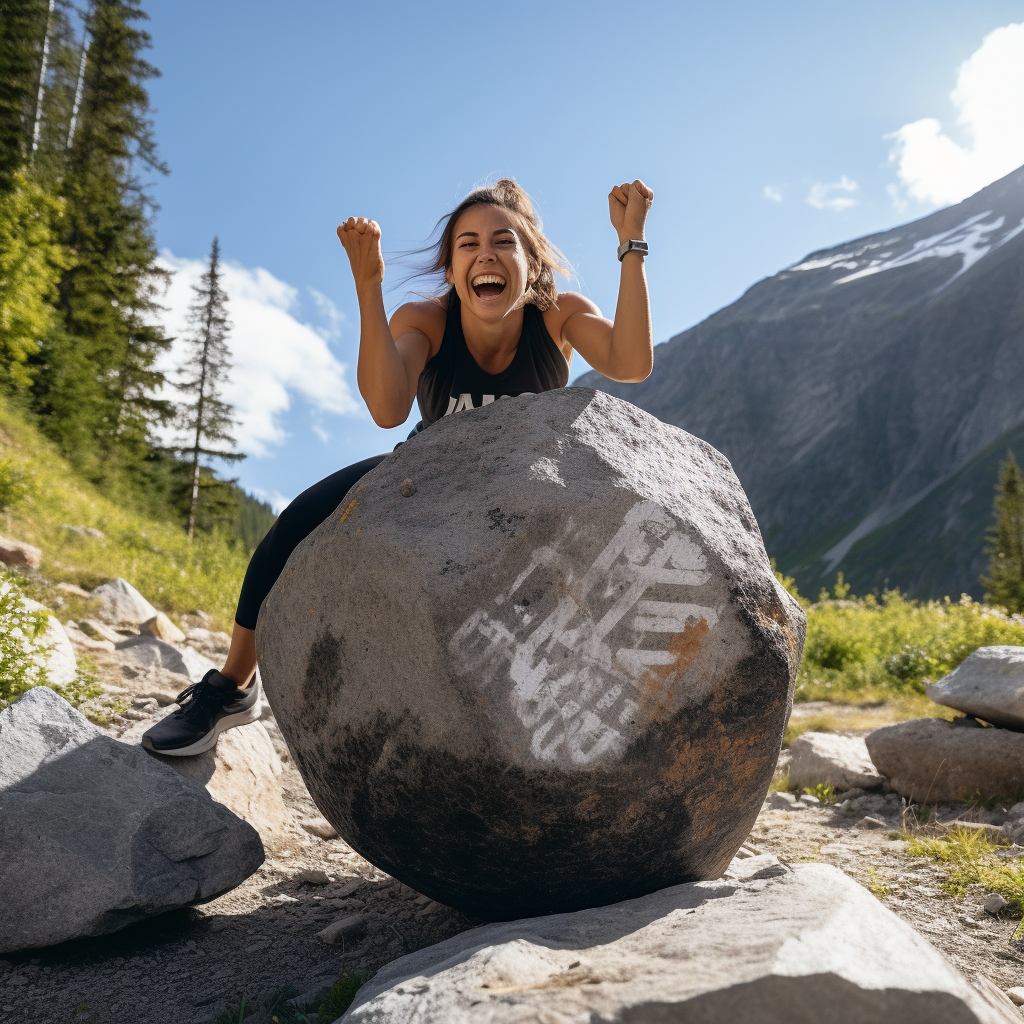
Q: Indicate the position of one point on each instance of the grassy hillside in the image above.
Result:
(155, 557)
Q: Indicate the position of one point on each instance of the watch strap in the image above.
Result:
(632, 245)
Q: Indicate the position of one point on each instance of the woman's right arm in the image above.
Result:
(391, 356)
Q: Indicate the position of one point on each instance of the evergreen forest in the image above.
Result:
(80, 283)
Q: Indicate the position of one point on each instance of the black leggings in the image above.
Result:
(293, 525)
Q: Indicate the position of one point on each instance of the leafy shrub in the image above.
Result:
(21, 642)
(889, 646)
(14, 484)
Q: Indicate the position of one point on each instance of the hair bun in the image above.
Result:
(513, 196)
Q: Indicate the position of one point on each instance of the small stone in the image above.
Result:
(347, 928)
(750, 869)
(85, 532)
(320, 827)
(780, 801)
(407, 488)
(1016, 996)
(810, 801)
(1016, 812)
(852, 794)
(870, 823)
(994, 903)
(73, 589)
(16, 552)
(162, 628)
(312, 876)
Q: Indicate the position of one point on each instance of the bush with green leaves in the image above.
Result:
(882, 647)
(14, 484)
(22, 643)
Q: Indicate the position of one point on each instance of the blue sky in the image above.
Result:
(766, 131)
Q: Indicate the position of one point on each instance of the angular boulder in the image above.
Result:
(552, 673)
(826, 758)
(120, 602)
(798, 947)
(932, 761)
(243, 772)
(988, 684)
(59, 657)
(96, 834)
(145, 655)
(162, 628)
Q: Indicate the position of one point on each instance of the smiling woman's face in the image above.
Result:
(489, 266)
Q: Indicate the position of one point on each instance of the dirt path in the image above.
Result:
(187, 967)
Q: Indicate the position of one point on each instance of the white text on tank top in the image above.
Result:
(465, 401)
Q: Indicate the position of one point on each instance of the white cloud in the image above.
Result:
(836, 196)
(989, 99)
(275, 499)
(274, 355)
(772, 193)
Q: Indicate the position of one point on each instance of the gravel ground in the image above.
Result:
(187, 967)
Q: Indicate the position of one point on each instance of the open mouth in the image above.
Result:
(488, 286)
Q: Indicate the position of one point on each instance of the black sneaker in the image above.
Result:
(206, 709)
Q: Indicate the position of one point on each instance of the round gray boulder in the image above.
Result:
(537, 660)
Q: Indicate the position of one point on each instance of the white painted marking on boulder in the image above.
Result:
(570, 687)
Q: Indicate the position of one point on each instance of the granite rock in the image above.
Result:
(988, 684)
(554, 676)
(120, 602)
(96, 834)
(832, 760)
(931, 761)
(804, 946)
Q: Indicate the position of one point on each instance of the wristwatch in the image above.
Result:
(632, 245)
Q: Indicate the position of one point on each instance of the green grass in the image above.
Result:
(327, 1008)
(155, 557)
(968, 859)
(864, 650)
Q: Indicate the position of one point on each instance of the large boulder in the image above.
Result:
(242, 772)
(988, 684)
(826, 758)
(784, 947)
(120, 602)
(96, 834)
(537, 660)
(932, 761)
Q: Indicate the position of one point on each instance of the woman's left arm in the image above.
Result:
(622, 349)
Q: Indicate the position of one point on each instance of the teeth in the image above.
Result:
(488, 279)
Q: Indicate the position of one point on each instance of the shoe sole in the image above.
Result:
(209, 741)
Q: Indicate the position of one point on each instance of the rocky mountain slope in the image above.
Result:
(866, 396)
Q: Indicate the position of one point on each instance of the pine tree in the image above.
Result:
(1004, 584)
(207, 418)
(96, 375)
(23, 25)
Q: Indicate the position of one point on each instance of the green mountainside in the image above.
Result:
(154, 555)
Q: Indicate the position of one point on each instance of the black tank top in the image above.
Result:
(452, 380)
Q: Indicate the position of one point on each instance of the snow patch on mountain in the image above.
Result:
(973, 239)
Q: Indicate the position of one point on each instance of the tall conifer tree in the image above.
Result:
(1004, 584)
(207, 417)
(22, 31)
(97, 375)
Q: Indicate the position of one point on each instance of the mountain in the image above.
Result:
(866, 396)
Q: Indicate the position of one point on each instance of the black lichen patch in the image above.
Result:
(504, 521)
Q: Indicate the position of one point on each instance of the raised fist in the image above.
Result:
(628, 205)
(361, 239)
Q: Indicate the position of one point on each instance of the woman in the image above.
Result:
(501, 329)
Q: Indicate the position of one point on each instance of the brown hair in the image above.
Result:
(543, 259)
